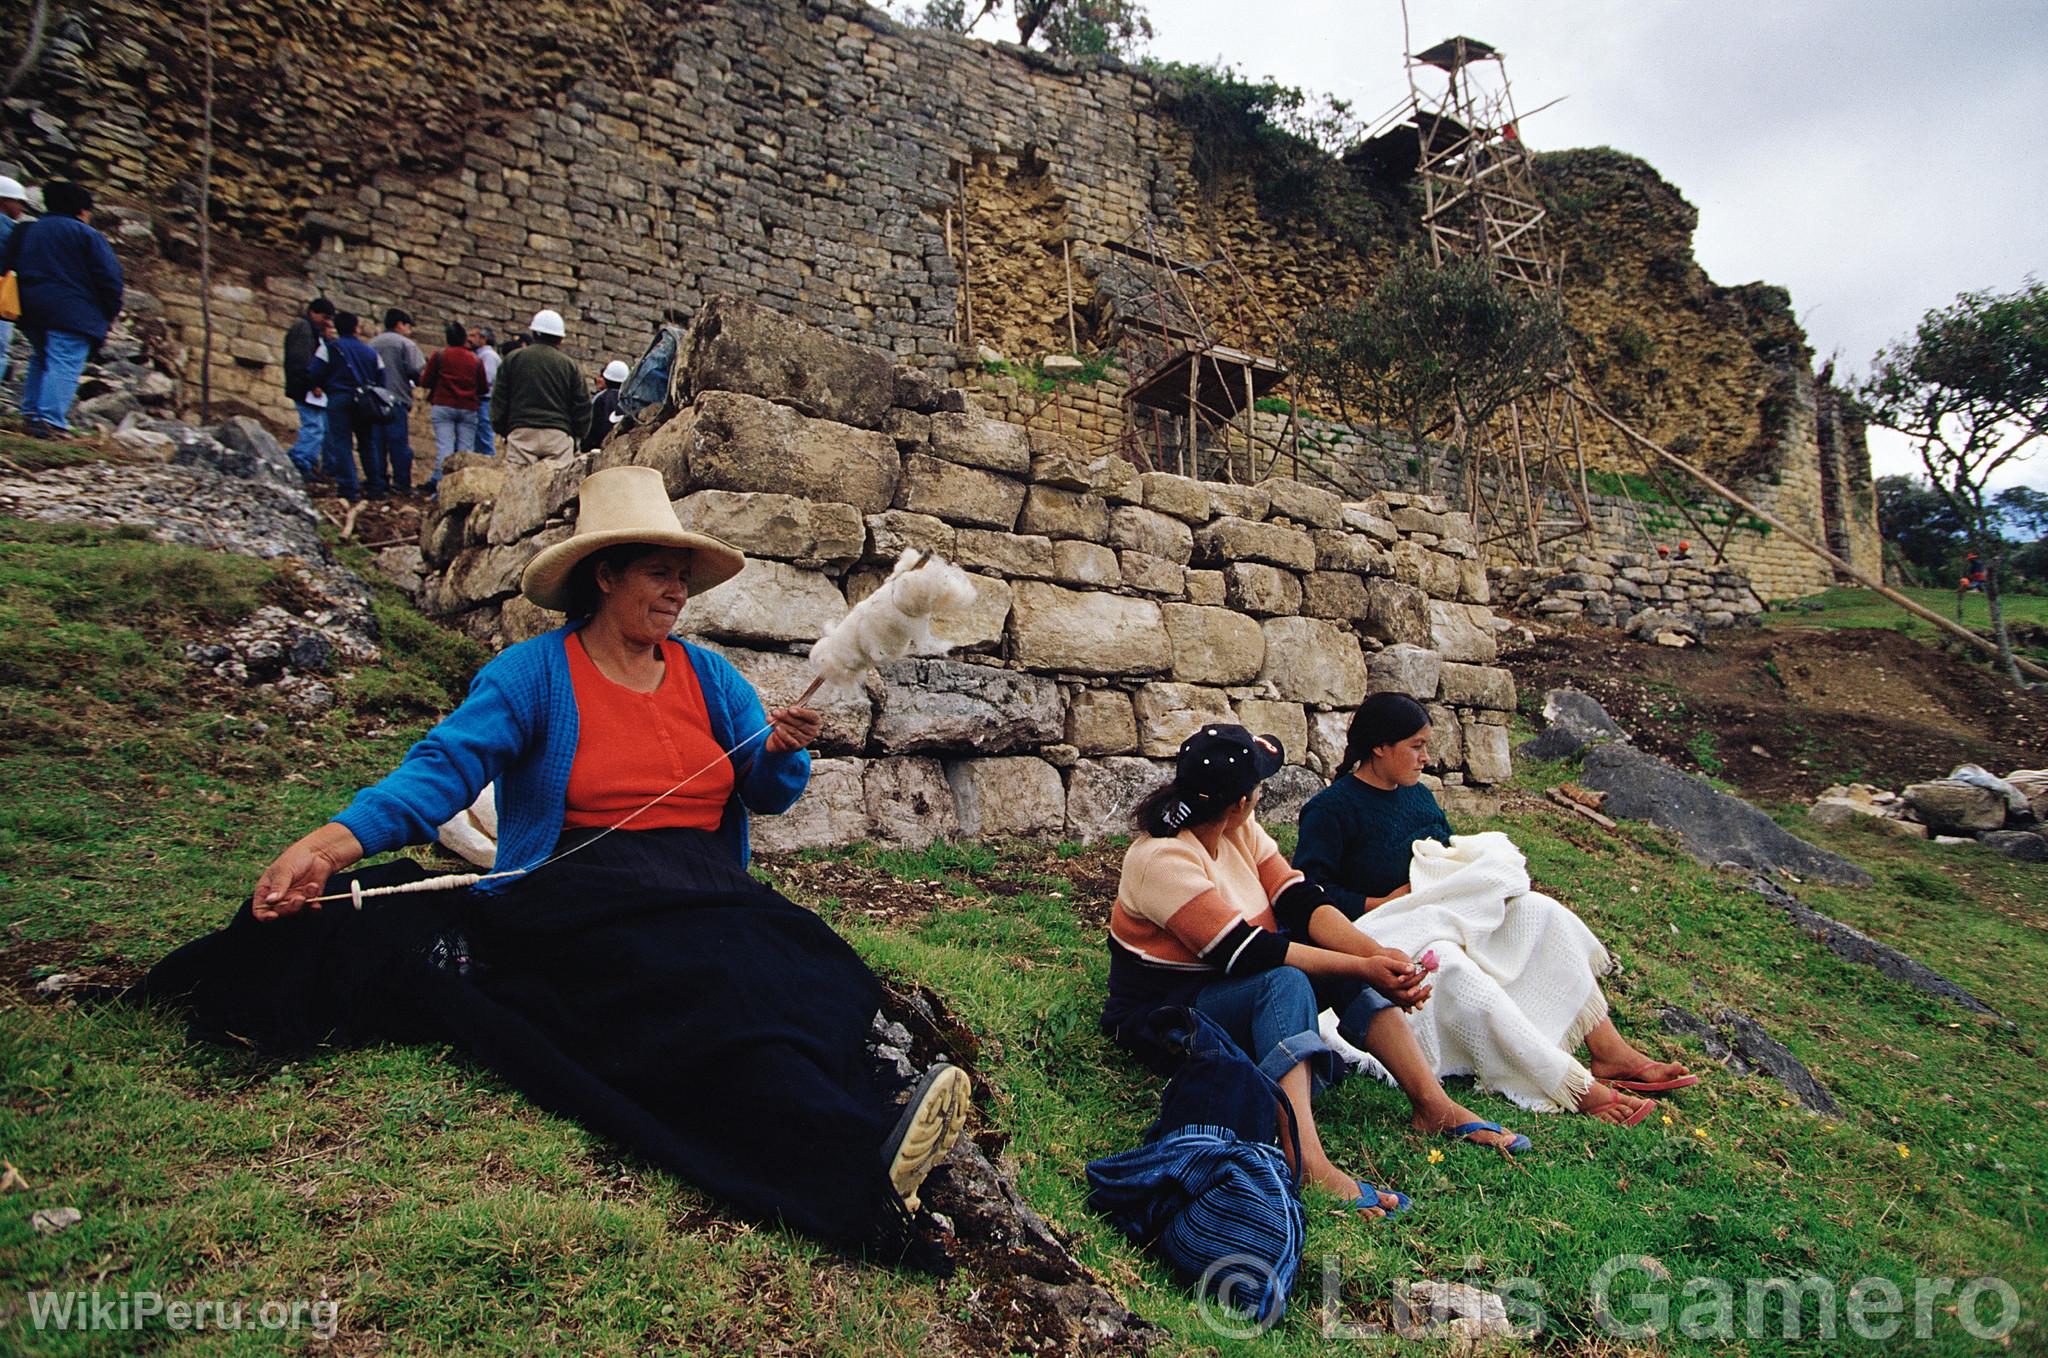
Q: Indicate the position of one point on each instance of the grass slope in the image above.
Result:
(439, 1213)
(1851, 607)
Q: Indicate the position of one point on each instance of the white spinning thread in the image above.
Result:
(885, 626)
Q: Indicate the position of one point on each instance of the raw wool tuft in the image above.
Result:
(895, 621)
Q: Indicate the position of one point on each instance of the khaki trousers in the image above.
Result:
(522, 447)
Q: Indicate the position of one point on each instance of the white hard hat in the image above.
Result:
(547, 322)
(616, 371)
(11, 188)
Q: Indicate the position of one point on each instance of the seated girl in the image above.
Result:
(1199, 908)
(1526, 969)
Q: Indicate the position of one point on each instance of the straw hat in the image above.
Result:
(620, 505)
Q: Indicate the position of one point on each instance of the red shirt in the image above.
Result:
(632, 747)
(455, 377)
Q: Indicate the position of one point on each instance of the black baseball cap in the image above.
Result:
(1222, 763)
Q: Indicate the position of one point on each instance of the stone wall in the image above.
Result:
(1644, 595)
(1117, 610)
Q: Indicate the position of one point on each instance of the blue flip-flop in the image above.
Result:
(1464, 1130)
(1369, 1197)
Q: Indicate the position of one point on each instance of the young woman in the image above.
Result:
(1199, 908)
(1358, 837)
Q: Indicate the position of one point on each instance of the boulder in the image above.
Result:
(1575, 720)
(1478, 686)
(811, 534)
(915, 389)
(478, 483)
(1486, 752)
(1311, 661)
(1182, 497)
(1253, 587)
(831, 814)
(533, 494)
(1009, 796)
(767, 602)
(1717, 828)
(1949, 806)
(779, 677)
(1462, 632)
(247, 450)
(742, 346)
(909, 801)
(1102, 794)
(1306, 505)
(1057, 513)
(952, 705)
(1074, 632)
(1147, 530)
(2025, 846)
(1101, 721)
(1282, 796)
(958, 494)
(736, 442)
(1213, 645)
(974, 440)
(1396, 612)
(1853, 945)
(1740, 1043)
(1233, 539)
(1169, 713)
(1284, 722)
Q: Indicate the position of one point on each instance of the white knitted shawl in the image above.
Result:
(1517, 988)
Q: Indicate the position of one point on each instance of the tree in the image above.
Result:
(1970, 389)
(1078, 27)
(1919, 520)
(1432, 346)
(2024, 510)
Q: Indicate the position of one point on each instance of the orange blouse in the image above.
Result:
(631, 747)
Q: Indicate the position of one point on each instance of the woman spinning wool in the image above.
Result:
(621, 966)
(1518, 986)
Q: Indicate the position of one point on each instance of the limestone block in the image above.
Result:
(1337, 550)
(1207, 587)
(1152, 574)
(1478, 686)
(1462, 632)
(1182, 497)
(1018, 795)
(912, 431)
(476, 484)
(1011, 555)
(1236, 539)
(1282, 796)
(915, 389)
(1239, 502)
(1403, 668)
(737, 442)
(1147, 530)
(1086, 564)
(1472, 583)
(1102, 794)
(1463, 805)
(1333, 594)
(813, 534)
(1949, 807)
(1213, 645)
(831, 814)
(779, 676)
(1285, 722)
(1446, 738)
(909, 801)
(521, 620)
(1396, 613)
(1486, 753)
(1328, 732)
(1410, 519)
(974, 440)
(1072, 632)
(982, 625)
(893, 531)
(1364, 517)
(742, 346)
(1254, 587)
(952, 705)
(1442, 577)
(1059, 513)
(1306, 505)
(1311, 661)
(1169, 713)
(481, 574)
(957, 494)
(1069, 468)
(1102, 721)
(767, 602)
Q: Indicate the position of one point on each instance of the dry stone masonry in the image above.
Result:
(1116, 611)
(1650, 598)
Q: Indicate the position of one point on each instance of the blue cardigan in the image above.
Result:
(68, 276)
(518, 728)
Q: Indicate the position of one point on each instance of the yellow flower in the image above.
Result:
(1436, 1157)
(1904, 1153)
(1667, 1119)
(1700, 1132)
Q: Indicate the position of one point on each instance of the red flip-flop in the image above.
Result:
(1654, 1086)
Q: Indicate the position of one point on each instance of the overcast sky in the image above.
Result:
(1875, 157)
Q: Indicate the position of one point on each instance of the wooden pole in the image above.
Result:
(966, 272)
(1927, 614)
(1073, 335)
(206, 232)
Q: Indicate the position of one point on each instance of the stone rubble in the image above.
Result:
(1959, 808)
(1670, 603)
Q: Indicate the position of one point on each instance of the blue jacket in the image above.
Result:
(343, 365)
(68, 276)
(517, 728)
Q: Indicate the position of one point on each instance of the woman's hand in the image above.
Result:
(1400, 980)
(795, 728)
(1374, 902)
(300, 873)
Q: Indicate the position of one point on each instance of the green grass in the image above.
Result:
(442, 1213)
(1866, 608)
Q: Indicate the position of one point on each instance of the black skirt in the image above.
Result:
(645, 986)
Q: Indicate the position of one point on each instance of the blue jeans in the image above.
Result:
(390, 465)
(337, 458)
(486, 441)
(454, 432)
(52, 379)
(305, 454)
(6, 343)
(1271, 1015)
